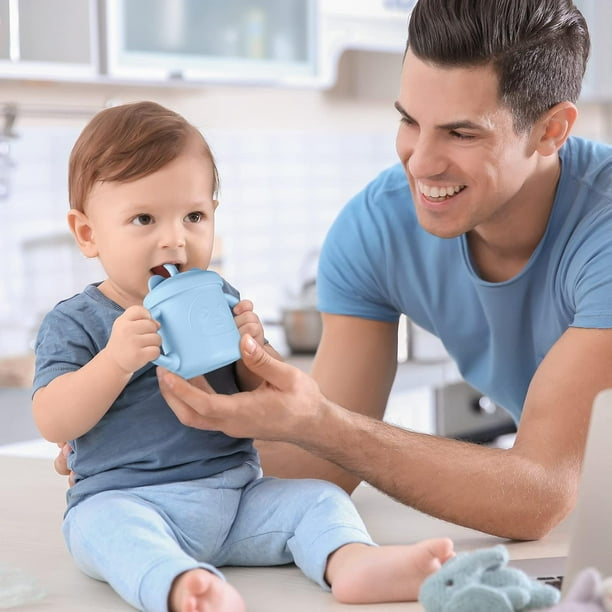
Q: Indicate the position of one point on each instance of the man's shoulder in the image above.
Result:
(587, 158)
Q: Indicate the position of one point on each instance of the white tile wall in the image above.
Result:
(280, 190)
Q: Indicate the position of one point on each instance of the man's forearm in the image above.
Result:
(285, 460)
(492, 490)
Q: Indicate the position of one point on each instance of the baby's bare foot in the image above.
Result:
(201, 591)
(371, 574)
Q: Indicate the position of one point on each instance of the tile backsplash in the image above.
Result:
(280, 191)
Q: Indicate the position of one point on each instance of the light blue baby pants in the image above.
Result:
(138, 540)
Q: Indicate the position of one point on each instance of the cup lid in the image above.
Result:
(161, 288)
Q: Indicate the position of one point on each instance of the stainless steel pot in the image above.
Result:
(302, 327)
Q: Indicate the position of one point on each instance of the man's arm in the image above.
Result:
(374, 356)
(522, 492)
(518, 493)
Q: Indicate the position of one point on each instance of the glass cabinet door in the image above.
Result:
(48, 38)
(239, 40)
(54, 31)
(5, 52)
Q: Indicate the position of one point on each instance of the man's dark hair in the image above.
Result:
(538, 48)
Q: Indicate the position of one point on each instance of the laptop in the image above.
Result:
(590, 542)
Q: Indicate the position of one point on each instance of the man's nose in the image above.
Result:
(425, 159)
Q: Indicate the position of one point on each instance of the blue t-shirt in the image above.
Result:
(378, 262)
(139, 441)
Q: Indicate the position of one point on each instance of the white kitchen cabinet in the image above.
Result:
(264, 42)
(239, 41)
(367, 25)
(48, 39)
(278, 42)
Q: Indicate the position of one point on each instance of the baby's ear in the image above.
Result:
(81, 229)
(215, 204)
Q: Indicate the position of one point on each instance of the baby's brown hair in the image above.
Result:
(124, 143)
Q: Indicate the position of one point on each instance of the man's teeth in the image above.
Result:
(440, 192)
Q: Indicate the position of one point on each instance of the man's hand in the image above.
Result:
(283, 407)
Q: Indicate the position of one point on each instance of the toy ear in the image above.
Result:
(491, 558)
(585, 586)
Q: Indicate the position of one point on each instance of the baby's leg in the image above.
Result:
(198, 590)
(122, 539)
(359, 573)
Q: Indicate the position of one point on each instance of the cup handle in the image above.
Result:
(167, 360)
(232, 300)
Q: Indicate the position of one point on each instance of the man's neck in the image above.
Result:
(501, 248)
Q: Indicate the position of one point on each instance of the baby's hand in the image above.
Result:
(247, 321)
(134, 340)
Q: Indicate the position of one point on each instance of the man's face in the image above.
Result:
(467, 168)
(137, 226)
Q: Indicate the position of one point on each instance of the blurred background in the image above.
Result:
(294, 96)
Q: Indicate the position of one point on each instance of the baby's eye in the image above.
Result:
(194, 217)
(142, 220)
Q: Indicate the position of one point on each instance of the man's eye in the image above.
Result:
(194, 217)
(142, 220)
(462, 136)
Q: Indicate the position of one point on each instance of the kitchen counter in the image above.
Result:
(30, 532)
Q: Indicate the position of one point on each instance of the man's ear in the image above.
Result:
(555, 127)
(81, 229)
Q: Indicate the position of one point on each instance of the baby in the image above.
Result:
(158, 507)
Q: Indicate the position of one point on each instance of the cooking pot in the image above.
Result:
(302, 327)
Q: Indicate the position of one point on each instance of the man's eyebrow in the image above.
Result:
(465, 124)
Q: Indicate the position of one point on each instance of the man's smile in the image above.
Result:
(434, 192)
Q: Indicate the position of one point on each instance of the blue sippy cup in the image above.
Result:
(198, 331)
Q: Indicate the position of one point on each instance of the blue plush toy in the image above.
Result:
(479, 581)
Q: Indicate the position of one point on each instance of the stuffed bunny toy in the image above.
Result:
(479, 581)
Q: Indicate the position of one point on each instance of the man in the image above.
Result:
(493, 233)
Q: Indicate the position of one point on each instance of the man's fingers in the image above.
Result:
(273, 371)
(187, 400)
(201, 383)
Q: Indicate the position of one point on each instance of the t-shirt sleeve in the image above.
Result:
(62, 346)
(590, 274)
(351, 272)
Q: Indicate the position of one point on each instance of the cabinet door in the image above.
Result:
(48, 38)
(5, 52)
(263, 41)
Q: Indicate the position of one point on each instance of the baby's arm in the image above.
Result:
(248, 323)
(71, 404)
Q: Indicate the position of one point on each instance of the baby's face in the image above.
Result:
(165, 217)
